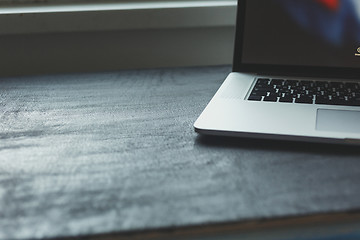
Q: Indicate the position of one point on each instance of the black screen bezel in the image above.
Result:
(318, 71)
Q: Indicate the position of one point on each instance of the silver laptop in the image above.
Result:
(296, 73)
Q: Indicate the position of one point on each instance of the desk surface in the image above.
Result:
(116, 152)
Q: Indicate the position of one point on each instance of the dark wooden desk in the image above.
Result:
(115, 154)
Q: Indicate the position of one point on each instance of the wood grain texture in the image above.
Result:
(112, 152)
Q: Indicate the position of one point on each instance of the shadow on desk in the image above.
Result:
(318, 227)
(277, 145)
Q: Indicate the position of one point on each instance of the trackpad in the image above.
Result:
(338, 120)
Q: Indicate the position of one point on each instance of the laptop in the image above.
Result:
(295, 76)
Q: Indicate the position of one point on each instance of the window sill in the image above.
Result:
(116, 16)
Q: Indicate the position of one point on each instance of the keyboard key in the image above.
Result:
(351, 86)
(336, 85)
(261, 91)
(322, 100)
(263, 81)
(321, 84)
(255, 98)
(353, 103)
(286, 99)
(306, 83)
(304, 99)
(261, 94)
(271, 98)
(277, 81)
(291, 82)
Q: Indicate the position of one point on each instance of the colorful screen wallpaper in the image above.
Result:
(302, 32)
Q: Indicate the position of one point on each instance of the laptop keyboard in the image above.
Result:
(306, 92)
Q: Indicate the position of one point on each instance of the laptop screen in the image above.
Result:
(318, 33)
